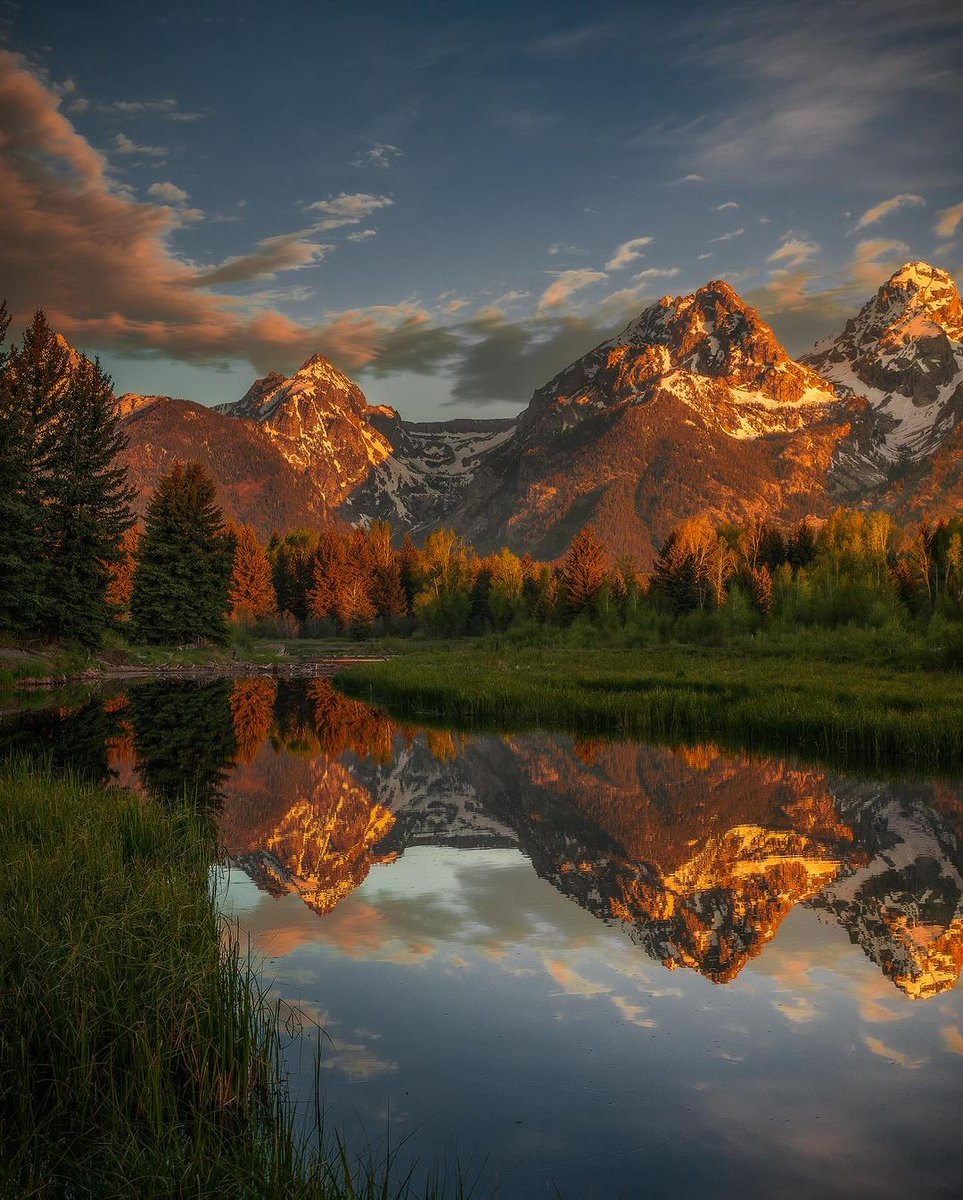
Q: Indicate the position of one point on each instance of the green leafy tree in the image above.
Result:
(180, 591)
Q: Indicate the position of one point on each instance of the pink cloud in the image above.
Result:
(100, 263)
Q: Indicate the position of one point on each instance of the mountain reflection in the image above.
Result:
(699, 855)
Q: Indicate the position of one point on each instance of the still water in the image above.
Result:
(610, 969)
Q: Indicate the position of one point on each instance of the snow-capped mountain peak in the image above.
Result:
(903, 351)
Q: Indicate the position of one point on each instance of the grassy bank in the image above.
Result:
(137, 1055)
(849, 714)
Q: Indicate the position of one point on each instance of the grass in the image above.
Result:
(138, 1056)
(855, 714)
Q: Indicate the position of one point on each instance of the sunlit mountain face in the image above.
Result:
(584, 961)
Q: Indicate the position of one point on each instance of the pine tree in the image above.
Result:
(63, 496)
(88, 506)
(252, 589)
(20, 510)
(181, 582)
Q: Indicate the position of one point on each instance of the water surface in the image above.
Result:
(610, 968)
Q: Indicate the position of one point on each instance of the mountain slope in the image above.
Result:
(903, 351)
(695, 407)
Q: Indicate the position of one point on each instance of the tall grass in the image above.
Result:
(138, 1055)
(852, 714)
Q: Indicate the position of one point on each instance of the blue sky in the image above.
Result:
(452, 201)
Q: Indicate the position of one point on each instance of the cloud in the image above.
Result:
(361, 235)
(723, 207)
(655, 273)
(870, 249)
(345, 209)
(691, 178)
(566, 284)
(284, 252)
(381, 155)
(900, 1059)
(851, 83)
(947, 221)
(101, 264)
(557, 248)
(728, 237)
(794, 252)
(167, 193)
(125, 145)
(885, 207)
(627, 253)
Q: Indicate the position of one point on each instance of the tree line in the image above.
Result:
(74, 564)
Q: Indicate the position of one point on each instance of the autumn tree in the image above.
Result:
(583, 571)
(181, 583)
(251, 592)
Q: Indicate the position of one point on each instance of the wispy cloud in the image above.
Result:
(728, 237)
(627, 252)
(794, 252)
(947, 221)
(284, 252)
(690, 178)
(723, 207)
(346, 209)
(566, 284)
(904, 200)
(380, 155)
(124, 145)
(361, 235)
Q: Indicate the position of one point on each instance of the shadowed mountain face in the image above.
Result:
(694, 408)
(697, 855)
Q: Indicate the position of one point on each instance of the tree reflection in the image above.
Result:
(184, 737)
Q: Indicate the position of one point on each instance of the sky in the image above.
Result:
(454, 200)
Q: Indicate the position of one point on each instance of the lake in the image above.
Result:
(585, 968)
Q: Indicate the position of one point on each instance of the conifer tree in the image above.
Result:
(20, 511)
(583, 570)
(181, 583)
(63, 496)
(87, 512)
(252, 589)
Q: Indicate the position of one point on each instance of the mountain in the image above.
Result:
(694, 407)
(903, 351)
(309, 449)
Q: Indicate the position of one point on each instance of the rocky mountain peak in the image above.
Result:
(904, 351)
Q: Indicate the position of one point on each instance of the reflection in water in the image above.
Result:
(391, 847)
(699, 855)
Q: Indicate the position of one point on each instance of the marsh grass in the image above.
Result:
(138, 1054)
(853, 714)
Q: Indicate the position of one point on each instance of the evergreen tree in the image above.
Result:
(583, 570)
(20, 511)
(181, 583)
(88, 506)
(252, 589)
(65, 503)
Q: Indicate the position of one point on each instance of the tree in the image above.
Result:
(65, 501)
(583, 570)
(20, 510)
(252, 589)
(181, 583)
(87, 510)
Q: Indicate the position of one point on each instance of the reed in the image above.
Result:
(138, 1054)
(852, 715)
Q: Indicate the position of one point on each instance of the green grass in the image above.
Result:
(138, 1056)
(852, 715)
